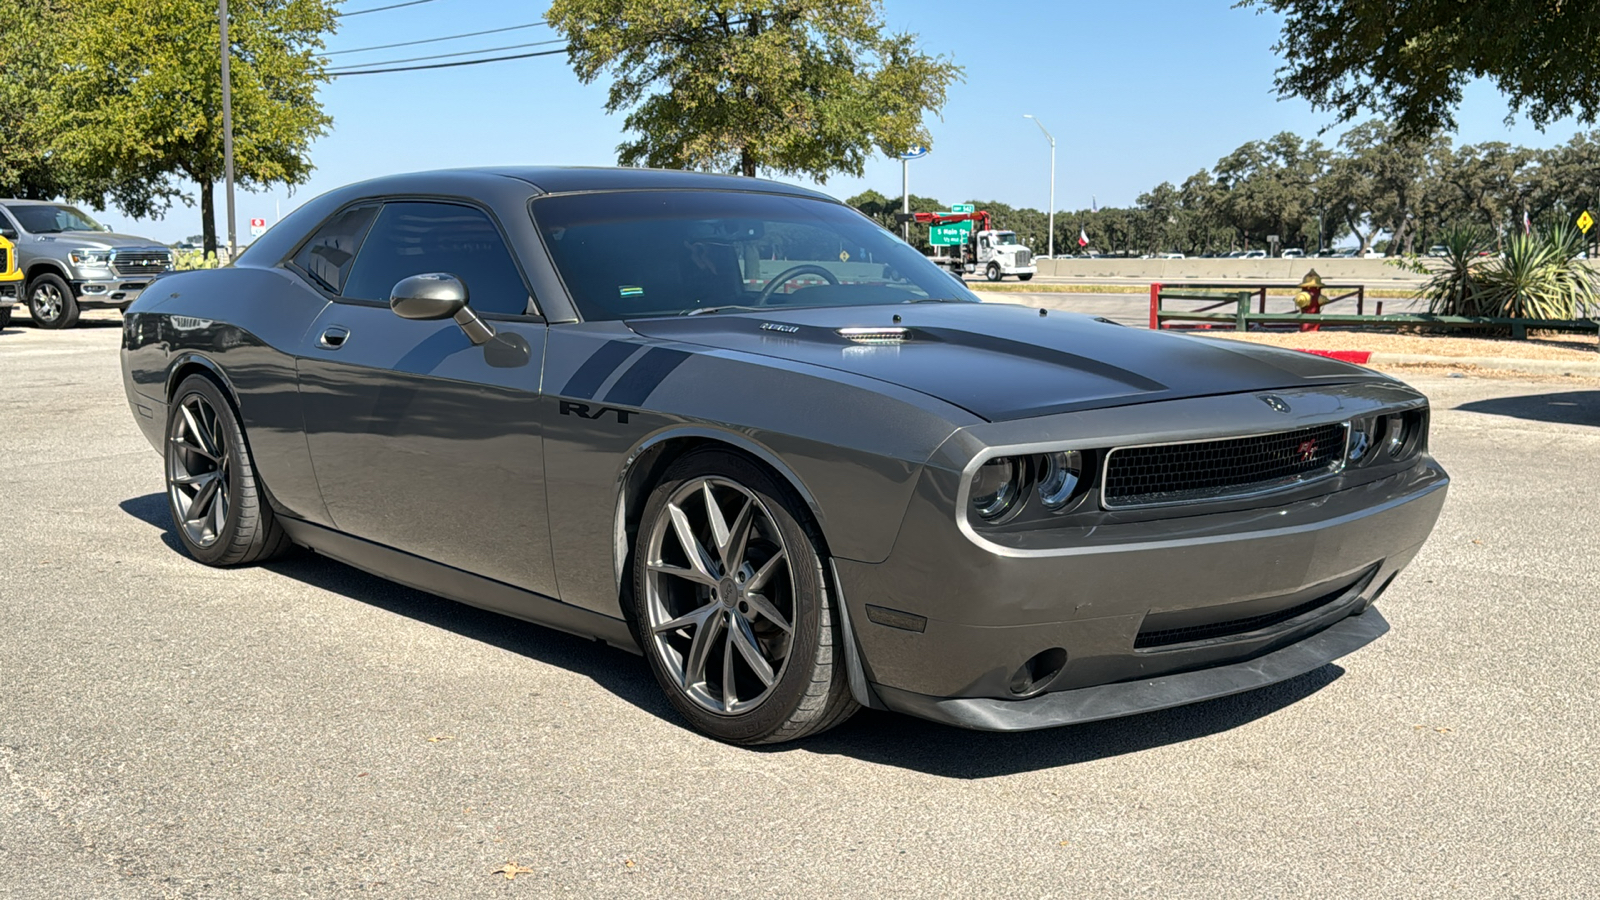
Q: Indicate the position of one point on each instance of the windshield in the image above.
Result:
(50, 219)
(1005, 237)
(630, 254)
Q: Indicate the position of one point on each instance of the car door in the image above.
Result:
(421, 440)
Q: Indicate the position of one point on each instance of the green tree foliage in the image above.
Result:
(28, 42)
(1387, 189)
(1409, 61)
(138, 96)
(792, 87)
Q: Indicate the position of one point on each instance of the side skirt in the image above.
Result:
(455, 584)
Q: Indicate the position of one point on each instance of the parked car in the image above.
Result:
(10, 280)
(1173, 255)
(71, 262)
(1253, 254)
(734, 425)
(1294, 253)
(1438, 251)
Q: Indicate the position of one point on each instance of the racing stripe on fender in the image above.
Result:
(636, 385)
(597, 368)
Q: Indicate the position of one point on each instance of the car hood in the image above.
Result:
(100, 240)
(1001, 361)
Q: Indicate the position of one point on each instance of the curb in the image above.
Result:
(1505, 363)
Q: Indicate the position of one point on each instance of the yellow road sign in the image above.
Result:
(1586, 221)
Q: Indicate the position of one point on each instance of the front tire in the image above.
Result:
(993, 272)
(213, 494)
(1026, 276)
(732, 607)
(51, 302)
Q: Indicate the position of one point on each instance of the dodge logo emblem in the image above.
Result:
(1277, 403)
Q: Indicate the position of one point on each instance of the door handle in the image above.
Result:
(334, 337)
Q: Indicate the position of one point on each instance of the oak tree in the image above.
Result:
(138, 94)
(792, 87)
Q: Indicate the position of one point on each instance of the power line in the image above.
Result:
(362, 12)
(448, 65)
(390, 62)
(448, 37)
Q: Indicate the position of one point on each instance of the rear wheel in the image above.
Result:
(212, 491)
(731, 605)
(993, 272)
(51, 302)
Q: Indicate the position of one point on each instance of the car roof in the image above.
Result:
(10, 202)
(572, 179)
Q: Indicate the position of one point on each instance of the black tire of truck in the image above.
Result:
(51, 302)
(993, 272)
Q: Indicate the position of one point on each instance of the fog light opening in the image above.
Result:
(1037, 673)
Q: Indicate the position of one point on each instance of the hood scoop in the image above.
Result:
(876, 336)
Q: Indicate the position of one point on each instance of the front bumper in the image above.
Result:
(117, 293)
(1110, 701)
(949, 622)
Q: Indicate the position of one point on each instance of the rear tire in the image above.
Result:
(732, 606)
(51, 302)
(217, 504)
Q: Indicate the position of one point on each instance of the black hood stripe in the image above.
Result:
(1048, 355)
(597, 368)
(643, 377)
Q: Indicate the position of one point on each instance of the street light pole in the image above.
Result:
(1052, 141)
(227, 124)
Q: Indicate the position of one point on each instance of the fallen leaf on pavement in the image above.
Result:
(441, 737)
(511, 870)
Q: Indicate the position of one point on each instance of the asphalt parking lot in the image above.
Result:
(303, 729)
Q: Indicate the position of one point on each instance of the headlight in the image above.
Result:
(1402, 434)
(1362, 434)
(1060, 474)
(95, 258)
(995, 487)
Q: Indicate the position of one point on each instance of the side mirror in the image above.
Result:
(438, 295)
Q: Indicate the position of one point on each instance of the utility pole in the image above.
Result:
(905, 198)
(227, 124)
(1052, 141)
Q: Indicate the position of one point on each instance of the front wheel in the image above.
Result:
(1026, 276)
(993, 272)
(51, 302)
(212, 490)
(731, 605)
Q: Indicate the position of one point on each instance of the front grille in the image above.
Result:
(1024, 257)
(5, 260)
(140, 262)
(1221, 469)
(1167, 637)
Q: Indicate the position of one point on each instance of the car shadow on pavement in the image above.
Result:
(622, 673)
(932, 749)
(1565, 407)
(883, 738)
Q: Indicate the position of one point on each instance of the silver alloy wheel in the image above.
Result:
(46, 301)
(720, 596)
(198, 470)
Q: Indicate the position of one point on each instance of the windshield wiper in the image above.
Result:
(702, 310)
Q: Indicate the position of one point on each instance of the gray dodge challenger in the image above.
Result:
(736, 426)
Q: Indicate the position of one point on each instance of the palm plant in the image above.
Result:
(1452, 288)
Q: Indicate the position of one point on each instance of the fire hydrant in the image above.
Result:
(1309, 300)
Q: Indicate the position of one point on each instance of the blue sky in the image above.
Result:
(1135, 93)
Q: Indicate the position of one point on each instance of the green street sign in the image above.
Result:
(949, 235)
(963, 207)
